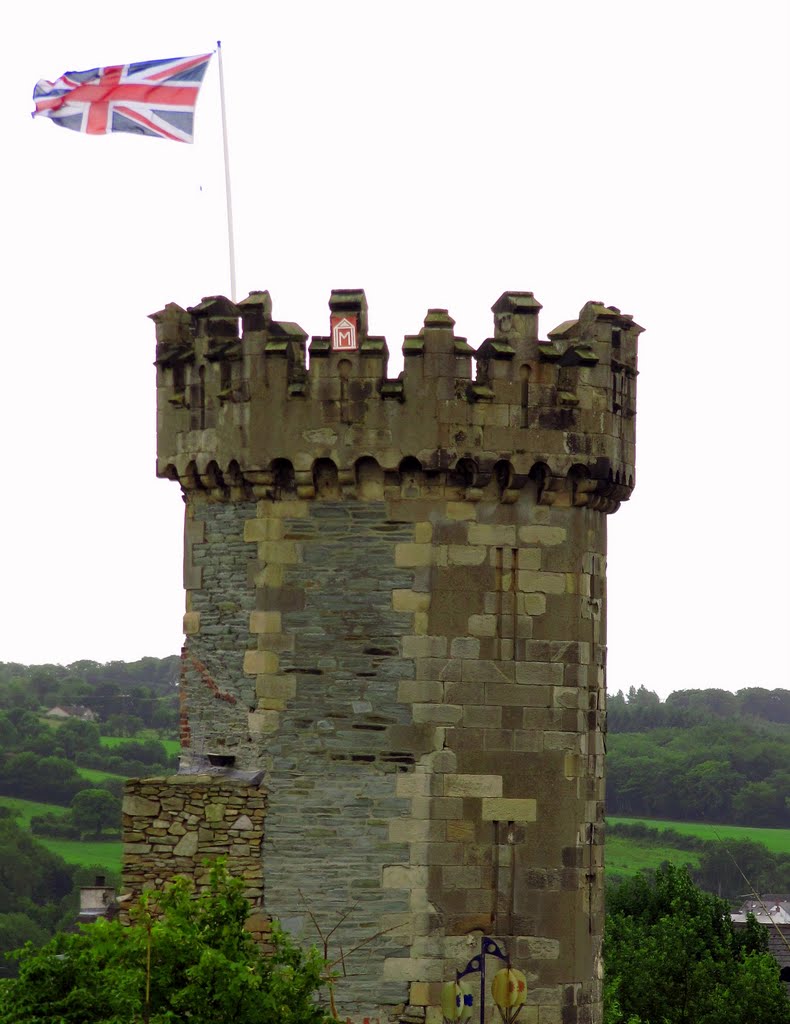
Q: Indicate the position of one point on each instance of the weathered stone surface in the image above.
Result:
(396, 608)
(139, 806)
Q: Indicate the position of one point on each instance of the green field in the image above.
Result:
(99, 775)
(24, 810)
(86, 852)
(627, 856)
(171, 746)
(777, 840)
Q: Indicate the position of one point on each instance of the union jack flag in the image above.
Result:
(152, 97)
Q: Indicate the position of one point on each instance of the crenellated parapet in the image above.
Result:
(243, 411)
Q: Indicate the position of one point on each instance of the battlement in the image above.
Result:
(240, 409)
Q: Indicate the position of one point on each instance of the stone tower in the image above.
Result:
(396, 608)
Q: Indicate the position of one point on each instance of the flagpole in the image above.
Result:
(231, 248)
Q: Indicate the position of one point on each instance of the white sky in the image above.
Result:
(435, 154)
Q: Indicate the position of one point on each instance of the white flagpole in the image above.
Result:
(231, 248)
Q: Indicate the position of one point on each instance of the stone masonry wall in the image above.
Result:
(337, 733)
(219, 567)
(396, 611)
(428, 701)
(178, 825)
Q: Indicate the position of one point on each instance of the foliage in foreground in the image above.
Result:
(204, 967)
(672, 956)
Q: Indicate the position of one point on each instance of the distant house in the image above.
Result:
(73, 711)
(774, 912)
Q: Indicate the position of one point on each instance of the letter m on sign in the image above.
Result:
(344, 333)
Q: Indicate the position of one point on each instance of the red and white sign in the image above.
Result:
(344, 332)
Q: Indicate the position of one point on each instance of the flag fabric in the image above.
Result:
(153, 97)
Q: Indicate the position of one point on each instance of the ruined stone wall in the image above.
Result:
(396, 611)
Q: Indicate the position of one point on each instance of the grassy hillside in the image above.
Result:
(626, 856)
(777, 840)
(86, 852)
(24, 810)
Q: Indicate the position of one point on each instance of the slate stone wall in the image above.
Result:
(340, 739)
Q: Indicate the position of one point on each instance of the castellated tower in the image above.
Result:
(393, 696)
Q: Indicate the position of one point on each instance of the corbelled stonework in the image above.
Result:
(396, 610)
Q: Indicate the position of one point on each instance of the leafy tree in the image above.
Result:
(48, 779)
(75, 736)
(123, 725)
(93, 810)
(204, 966)
(672, 955)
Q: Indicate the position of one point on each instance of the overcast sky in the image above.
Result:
(434, 154)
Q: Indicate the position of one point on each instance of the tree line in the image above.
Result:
(40, 761)
(671, 954)
(125, 696)
(700, 756)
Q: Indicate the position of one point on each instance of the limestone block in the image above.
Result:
(404, 830)
(265, 622)
(534, 604)
(423, 690)
(473, 785)
(409, 968)
(422, 993)
(461, 831)
(561, 741)
(482, 625)
(284, 509)
(460, 510)
(413, 784)
(258, 722)
(498, 536)
(412, 555)
(465, 647)
(278, 552)
(438, 714)
(568, 697)
(529, 558)
(424, 646)
(191, 623)
(404, 876)
(542, 582)
(462, 554)
(502, 809)
(281, 687)
(436, 807)
(540, 673)
(263, 529)
(423, 533)
(260, 662)
(410, 601)
(420, 624)
(443, 761)
(482, 717)
(545, 535)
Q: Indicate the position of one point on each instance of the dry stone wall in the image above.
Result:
(177, 826)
